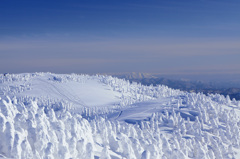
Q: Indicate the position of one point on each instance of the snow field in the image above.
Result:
(133, 121)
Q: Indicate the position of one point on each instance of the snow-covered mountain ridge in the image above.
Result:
(45, 115)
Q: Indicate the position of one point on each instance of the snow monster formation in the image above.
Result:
(52, 116)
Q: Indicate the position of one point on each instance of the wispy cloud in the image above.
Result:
(150, 46)
(147, 55)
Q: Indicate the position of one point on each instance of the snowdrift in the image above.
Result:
(45, 115)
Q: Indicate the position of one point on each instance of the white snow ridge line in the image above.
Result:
(40, 118)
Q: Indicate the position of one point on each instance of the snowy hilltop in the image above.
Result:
(57, 116)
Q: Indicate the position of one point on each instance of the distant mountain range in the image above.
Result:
(225, 88)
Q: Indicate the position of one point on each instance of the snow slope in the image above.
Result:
(79, 91)
(45, 115)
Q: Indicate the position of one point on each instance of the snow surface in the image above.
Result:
(45, 115)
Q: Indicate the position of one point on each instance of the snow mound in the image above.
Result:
(45, 115)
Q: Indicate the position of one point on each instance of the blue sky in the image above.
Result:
(93, 36)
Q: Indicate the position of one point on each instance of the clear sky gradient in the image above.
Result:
(108, 36)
